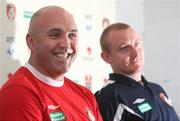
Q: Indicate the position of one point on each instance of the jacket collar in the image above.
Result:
(123, 79)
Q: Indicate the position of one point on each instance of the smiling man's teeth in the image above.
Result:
(69, 50)
(62, 55)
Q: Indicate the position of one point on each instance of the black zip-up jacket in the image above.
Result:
(125, 99)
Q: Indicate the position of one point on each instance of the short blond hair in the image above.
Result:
(104, 36)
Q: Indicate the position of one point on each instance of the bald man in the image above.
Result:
(38, 91)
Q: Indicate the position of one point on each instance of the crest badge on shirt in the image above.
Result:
(165, 99)
(57, 116)
(90, 115)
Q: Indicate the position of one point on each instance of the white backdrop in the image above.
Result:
(158, 21)
(88, 69)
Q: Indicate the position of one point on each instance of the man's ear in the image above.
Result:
(30, 41)
(105, 56)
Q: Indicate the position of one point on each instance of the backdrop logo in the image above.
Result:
(105, 81)
(105, 22)
(28, 14)
(89, 55)
(9, 74)
(88, 81)
(11, 11)
(10, 51)
(88, 22)
(10, 40)
(89, 50)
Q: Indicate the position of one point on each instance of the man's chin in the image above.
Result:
(135, 70)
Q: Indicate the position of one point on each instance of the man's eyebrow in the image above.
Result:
(61, 30)
(73, 30)
(124, 45)
(54, 30)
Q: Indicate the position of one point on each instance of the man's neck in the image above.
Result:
(136, 76)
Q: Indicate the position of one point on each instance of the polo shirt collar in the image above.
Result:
(124, 79)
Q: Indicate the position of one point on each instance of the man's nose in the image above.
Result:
(65, 41)
(134, 51)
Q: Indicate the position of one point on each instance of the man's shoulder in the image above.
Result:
(154, 85)
(75, 85)
(22, 78)
(79, 89)
(111, 86)
(110, 89)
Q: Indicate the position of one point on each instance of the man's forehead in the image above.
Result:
(124, 37)
(57, 24)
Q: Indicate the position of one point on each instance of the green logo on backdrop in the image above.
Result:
(28, 14)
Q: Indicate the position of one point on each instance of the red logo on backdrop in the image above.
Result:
(88, 56)
(89, 50)
(11, 11)
(88, 81)
(105, 23)
(105, 80)
(9, 75)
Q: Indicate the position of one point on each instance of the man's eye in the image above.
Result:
(72, 35)
(54, 35)
(124, 49)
